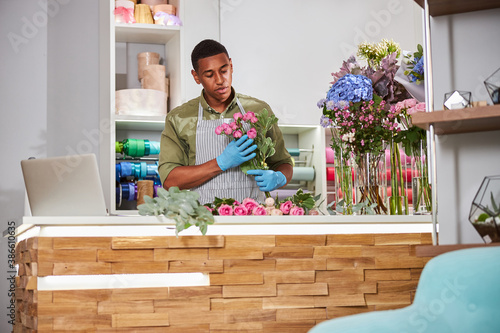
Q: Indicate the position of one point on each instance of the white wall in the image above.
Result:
(465, 52)
(23, 110)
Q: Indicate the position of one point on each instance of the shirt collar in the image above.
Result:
(208, 108)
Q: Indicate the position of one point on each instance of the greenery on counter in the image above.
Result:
(182, 206)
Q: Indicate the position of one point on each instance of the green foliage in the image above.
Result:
(265, 145)
(182, 206)
(362, 207)
(304, 200)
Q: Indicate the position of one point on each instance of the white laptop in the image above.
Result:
(64, 186)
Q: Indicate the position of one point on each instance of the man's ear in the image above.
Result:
(195, 76)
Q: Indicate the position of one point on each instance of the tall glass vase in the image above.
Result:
(421, 189)
(343, 185)
(370, 183)
(398, 200)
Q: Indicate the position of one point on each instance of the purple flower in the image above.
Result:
(325, 122)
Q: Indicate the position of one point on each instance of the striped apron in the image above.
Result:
(232, 183)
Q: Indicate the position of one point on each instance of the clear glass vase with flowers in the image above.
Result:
(414, 142)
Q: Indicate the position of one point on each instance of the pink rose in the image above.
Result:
(225, 210)
(237, 116)
(276, 211)
(259, 210)
(253, 120)
(249, 115)
(224, 126)
(219, 130)
(410, 102)
(228, 130)
(240, 210)
(252, 133)
(420, 107)
(234, 125)
(250, 204)
(295, 210)
(237, 134)
(236, 203)
(285, 207)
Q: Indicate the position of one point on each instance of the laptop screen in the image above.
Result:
(64, 186)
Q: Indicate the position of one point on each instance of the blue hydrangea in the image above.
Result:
(418, 68)
(351, 88)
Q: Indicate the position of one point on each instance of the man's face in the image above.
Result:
(215, 74)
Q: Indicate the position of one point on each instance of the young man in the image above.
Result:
(193, 157)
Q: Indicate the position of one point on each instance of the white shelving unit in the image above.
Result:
(120, 127)
(469, 120)
(308, 138)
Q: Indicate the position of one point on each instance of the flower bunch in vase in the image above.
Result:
(413, 142)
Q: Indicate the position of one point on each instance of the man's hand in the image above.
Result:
(268, 180)
(237, 152)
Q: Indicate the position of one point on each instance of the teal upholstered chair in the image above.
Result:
(458, 291)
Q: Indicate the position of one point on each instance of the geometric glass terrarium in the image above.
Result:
(492, 84)
(485, 210)
(457, 100)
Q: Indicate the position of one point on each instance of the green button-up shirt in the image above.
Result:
(178, 139)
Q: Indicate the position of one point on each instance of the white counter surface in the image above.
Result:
(105, 226)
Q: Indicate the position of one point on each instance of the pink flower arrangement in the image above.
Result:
(299, 204)
(256, 127)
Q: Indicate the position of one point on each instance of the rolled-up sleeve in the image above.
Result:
(172, 150)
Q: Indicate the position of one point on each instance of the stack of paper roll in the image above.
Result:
(141, 102)
(303, 173)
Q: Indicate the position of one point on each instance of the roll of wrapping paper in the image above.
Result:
(144, 187)
(154, 77)
(143, 14)
(144, 59)
(124, 11)
(330, 173)
(303, 173)
(330, 155)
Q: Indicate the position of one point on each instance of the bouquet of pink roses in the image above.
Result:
(258, 126)
(299, 204)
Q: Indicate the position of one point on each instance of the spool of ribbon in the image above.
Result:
(163, 18)
(330, 155)
(144, 187)
(303, 173)
(330, 173)
(127, 14)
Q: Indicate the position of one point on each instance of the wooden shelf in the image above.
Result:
(447, 7)
(468, 120)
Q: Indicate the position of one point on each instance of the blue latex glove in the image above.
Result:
(268, 180)
(237, 152)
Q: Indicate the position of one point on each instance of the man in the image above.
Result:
(193, 157)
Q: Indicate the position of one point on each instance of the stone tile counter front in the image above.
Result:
(249, 283)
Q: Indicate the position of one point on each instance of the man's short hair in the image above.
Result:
(206, 48)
